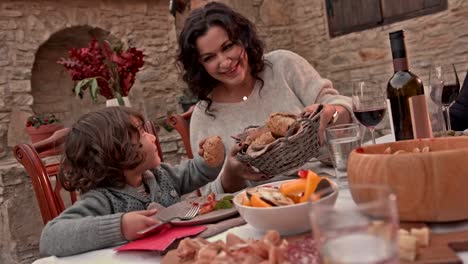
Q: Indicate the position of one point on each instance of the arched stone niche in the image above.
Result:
(52, 86)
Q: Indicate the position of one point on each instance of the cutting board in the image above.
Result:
(442, 246)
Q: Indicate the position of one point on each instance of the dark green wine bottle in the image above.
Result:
(402, 86)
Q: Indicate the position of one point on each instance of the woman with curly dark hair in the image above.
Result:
(114, 163)
(238, 85)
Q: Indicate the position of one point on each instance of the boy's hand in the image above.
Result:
(133, 222)
(235, 172)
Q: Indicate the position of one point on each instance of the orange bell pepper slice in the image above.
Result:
(256, 201)
(245, 200)
(311, 184)
(293, 187)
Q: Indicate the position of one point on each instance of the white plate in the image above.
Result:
(182, 207)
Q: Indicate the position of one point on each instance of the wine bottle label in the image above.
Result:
(390, 117)
(419, 116)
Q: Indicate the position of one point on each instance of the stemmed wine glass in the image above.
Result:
(369, 105)
(445, 87)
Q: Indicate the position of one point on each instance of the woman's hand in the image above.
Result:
(235, 173)
(135, 221)
(329, 113)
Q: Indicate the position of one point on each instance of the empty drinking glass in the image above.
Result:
(362, 226)
(341, 140)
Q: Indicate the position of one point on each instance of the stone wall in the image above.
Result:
(35, 34)
(437, 38)
(20, 218)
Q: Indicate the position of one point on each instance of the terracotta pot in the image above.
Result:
(429, 186)
(42, 132)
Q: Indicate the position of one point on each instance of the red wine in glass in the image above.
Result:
(369, 104)
(450, 94)
(445, 87)
(370, 117)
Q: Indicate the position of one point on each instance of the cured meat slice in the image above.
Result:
(303, 251)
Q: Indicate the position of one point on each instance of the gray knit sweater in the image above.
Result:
(290, 84)
(93, 222)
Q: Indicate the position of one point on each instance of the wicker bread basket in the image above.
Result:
(289, 152)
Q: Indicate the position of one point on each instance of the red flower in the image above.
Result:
(43, 119)
(106, 66)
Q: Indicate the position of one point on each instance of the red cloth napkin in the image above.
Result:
(163, 239)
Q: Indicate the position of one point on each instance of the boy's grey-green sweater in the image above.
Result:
(93, 222)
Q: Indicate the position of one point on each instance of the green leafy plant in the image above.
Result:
(43, 119)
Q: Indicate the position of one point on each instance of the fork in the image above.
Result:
(191, 213)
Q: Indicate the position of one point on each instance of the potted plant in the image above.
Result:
(42, 126)
(105, 70)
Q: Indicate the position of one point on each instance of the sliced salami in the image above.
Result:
(303, 251)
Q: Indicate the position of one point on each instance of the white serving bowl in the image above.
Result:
(287, 220)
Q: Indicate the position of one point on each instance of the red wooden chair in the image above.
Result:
(49, 199)
(181, 123)
(48, 196)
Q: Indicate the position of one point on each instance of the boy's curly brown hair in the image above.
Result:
(99, 147)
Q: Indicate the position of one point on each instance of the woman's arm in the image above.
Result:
(313, 90)
(309, 87)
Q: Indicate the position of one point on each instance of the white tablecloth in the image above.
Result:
(245, 231)
(105, 256)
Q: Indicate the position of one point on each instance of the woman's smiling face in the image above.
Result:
(223, 59)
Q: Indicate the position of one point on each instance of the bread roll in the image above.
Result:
(279, 123)
(213, 151)
(264, 139)
(260, 142)
(254, 133)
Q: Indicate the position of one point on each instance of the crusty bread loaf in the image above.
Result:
(254, 133)
(259, 142)
(264, 139)
(279, 123)
(213, 151)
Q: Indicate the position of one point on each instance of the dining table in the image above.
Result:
(110, 255)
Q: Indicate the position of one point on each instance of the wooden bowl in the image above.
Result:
(430, 186)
